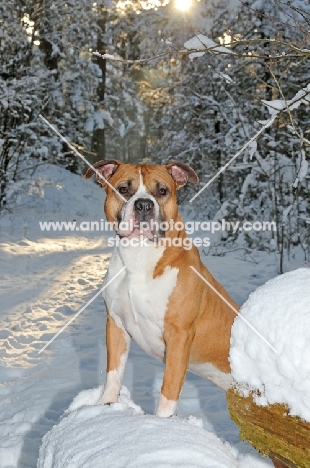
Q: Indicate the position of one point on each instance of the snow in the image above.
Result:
(280, 311)
(122, 436)
(252, 149)
(227, 78)
(303, 169)
(105, 56)
(202, 42)
(285, 213)
(46, 278)
(277, 105)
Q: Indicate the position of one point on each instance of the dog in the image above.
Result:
(158, 300)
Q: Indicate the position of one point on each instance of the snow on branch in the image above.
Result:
(303, 169)
(201, 42)
(116, 58)
(278, 105)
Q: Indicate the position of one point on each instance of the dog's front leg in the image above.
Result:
(178, 345)
(118, 342)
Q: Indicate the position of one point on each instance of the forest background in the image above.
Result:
(147, 97)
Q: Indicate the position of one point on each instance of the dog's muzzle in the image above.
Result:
(144, 208)
(141, 217)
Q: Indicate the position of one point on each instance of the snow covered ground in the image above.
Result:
(46, 277)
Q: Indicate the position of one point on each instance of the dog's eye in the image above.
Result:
(162, 191)
(123, 190)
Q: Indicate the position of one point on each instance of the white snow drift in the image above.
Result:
(120, 435)
(280, 311)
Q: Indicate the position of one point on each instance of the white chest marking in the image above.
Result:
(137, 301)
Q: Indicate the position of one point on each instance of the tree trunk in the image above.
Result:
(98, 139)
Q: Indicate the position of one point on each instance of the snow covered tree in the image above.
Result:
(47, 68)
(66, 32)
(211, 107)
(22, 83)
(200, 109)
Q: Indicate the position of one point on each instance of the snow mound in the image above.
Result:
(280, 312)
(52, 193)
(120, 435)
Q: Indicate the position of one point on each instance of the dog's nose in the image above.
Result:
(144, 206)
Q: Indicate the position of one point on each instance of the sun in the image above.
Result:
(183, 5)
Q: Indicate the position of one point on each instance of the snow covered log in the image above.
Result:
(271, 430)
(121, 435)
(271, 398)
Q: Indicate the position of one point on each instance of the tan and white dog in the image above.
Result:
(158, 300)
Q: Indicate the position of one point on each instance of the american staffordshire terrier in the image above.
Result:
(158, 300)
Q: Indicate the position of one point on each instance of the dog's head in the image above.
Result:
(141, 197)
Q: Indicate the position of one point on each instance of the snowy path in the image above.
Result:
(48, 288)
(45, 279)
(46, 284)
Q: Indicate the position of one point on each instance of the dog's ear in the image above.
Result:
(181, 173)
(105, 168)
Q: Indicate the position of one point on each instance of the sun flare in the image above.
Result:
(183, 5)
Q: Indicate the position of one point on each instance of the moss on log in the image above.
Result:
(271, 430)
